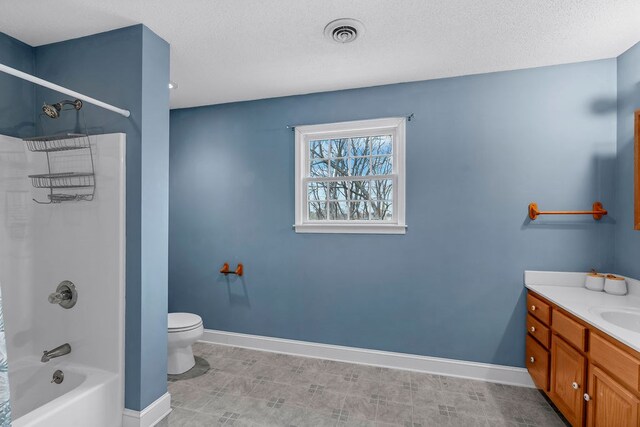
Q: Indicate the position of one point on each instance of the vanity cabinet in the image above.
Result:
(538, 363)
(539, 331)
(609, 403)
(593, 379)
(568, 372)
(539, 309)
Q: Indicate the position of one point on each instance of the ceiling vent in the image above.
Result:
(344, 30)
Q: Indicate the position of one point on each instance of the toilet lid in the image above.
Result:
(183, 321)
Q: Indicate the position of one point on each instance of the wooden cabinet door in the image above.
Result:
(567, 380)
(610, 404)
(537, 363)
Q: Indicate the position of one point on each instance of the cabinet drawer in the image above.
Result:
(615, 360)
(572, 331)
(539, 331)
(538, 363)
(539, 309)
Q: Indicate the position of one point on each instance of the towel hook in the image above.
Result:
(226, 271)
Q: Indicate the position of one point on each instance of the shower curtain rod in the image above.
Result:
(61, 89)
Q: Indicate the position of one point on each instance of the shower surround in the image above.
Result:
(43, 245)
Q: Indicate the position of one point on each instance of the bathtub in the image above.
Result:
(86, 396)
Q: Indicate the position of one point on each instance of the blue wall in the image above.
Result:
(155, 217)
(479, 150)
(627, 240)
(128, 68)
(17, 97)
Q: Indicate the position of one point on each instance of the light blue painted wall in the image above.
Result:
(17, 97)
(480, 149)
(128, 68)
(627, 240)
(155, 216)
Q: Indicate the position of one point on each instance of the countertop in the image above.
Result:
(566, 291)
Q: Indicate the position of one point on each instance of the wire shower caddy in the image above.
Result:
(63, 186)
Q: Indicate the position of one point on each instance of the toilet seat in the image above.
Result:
(183, 322)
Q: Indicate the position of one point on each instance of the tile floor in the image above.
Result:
(253, 388)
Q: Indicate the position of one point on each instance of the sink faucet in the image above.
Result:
(56, 352)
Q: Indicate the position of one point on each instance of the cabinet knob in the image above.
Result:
(587, 397)
(533, 329)
(533, 308)
(532, 359)
(575, 385)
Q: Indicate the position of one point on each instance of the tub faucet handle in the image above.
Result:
(58, 297)
(65, 295)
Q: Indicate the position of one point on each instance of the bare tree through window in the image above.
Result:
(350, 179)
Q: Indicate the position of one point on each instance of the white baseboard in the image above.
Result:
(433, 365)
(149, 416)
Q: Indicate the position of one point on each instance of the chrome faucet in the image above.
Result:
(65, 295)
(56, 352)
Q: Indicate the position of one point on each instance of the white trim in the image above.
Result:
(149, 416)
(122, 235)
(396, 126)
(434, 365)
(375, 228)
(355, 125)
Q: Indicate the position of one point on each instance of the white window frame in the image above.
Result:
(394, 126)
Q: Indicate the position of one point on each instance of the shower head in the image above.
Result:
(53, 110)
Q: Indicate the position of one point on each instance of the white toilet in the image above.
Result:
(184, 330)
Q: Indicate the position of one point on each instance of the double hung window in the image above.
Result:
(350, 177)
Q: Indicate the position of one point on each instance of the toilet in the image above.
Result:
(184, 330)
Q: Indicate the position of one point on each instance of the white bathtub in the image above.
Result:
(42, 245)
(86, 397)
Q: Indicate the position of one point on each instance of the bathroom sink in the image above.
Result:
(627, 318)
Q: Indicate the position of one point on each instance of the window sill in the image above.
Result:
(351, 228)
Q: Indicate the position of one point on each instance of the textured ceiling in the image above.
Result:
(231, 50)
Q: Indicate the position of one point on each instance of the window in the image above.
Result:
(350, 177)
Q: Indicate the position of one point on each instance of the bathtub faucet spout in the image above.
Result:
(56, 352)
